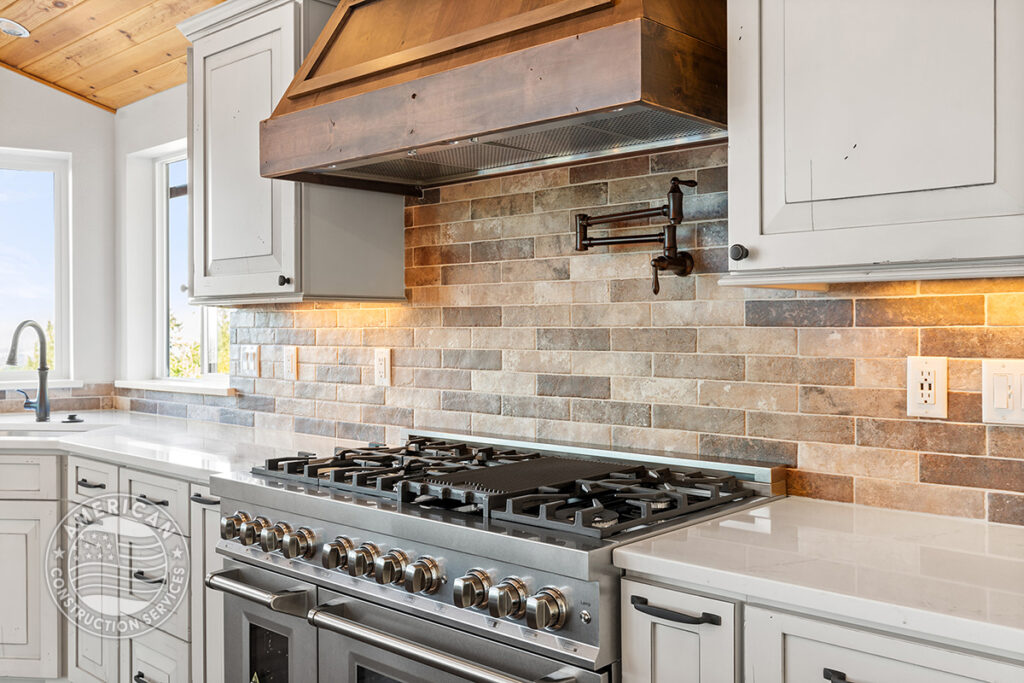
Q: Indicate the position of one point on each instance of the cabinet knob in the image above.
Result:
(282, 280)
(738, 252)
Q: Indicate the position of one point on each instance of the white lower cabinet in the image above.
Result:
(787, 648)
(29, 624)
(207, 606)
(155, 657)
(672, 636)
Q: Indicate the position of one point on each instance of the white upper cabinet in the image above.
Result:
(873, 139)
(249, 233)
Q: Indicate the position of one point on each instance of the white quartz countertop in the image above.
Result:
(183, 448)
(951, 579)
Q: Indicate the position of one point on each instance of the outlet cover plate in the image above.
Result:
(927, 386)
(1002, 381)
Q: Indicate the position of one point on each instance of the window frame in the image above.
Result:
(161, 289)
(58, 163)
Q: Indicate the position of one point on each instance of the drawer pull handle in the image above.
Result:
(196, 498)
(139, 677)
(86, 484)
(834, 676)
(141, 576)
(152, 501)
(640, 604)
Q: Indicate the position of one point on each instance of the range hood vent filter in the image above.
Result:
(600, 136)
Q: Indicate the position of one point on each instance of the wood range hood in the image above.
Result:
(400, 95)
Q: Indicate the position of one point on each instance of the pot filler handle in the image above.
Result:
(291, 602)
(325, 617)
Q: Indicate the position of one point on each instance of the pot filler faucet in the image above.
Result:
(671, 259)
(42, 403)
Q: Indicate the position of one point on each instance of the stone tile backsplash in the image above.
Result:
(508, 331)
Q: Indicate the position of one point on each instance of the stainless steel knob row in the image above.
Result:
(547, 609)
(229, 524)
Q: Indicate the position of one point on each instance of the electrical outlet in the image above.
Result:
(927, 383)
(249, 362)
(291, 362)
(382, 367)
(1001, 384)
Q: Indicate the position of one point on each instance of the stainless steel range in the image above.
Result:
(448, 559)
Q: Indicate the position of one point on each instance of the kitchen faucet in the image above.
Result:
(42, 402)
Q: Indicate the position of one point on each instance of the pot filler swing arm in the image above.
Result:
(671, 259)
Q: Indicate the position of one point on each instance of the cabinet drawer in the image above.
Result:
(171, 495)
(786, 648)
(29, 477)
(155, 658)
(89, 478)
(669, 636)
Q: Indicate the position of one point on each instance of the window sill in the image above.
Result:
(31, 383)
(209, 387)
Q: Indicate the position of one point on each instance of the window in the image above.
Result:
(34, 221)
(192, 340)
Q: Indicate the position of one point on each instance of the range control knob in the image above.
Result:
(334, 555)
(270, 537)
(547, 609)
(229, 524)
(361, 559)
(471, 590)
(299, 542)
(390, 567)
(507, 599)
(249, 531)
(423, 576)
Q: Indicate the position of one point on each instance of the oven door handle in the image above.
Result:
(322, 617)
(293, 602)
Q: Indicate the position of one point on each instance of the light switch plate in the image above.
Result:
(927, 386)
(1002, 381)
(249, 361)
(291, 362)
(382, 367)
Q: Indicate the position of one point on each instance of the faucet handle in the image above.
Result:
(657, 263)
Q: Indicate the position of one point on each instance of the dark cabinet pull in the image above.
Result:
(86, 484)
(640, 604)
(152, 501)
(140, 576)
(282, 280)
(196, 498)
(834, 676)
(140, 677)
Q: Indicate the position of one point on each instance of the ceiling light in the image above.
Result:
(13, 28)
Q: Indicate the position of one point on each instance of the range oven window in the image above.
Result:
(268, 656)
(364, 675)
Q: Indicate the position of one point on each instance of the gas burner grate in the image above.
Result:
(622, 500)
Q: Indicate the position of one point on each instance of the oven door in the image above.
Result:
(361, 642)
(266, 635)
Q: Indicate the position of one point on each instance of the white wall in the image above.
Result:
(34, 116)
(144, 130)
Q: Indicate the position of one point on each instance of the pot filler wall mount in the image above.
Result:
(671, 259)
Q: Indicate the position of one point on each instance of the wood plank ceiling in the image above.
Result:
(107, 52)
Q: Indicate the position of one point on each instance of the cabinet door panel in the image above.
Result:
(859, 122)
(786, 648)
(92, 658)
(29, 624)
(660, 649)
(155, 657)
(29, 476)
(875, 132)
(244, 226)
(207, 605)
